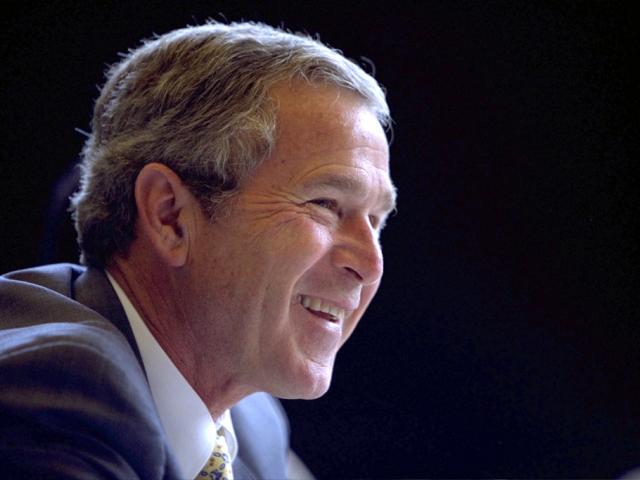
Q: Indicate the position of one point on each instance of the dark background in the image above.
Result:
(504, 341)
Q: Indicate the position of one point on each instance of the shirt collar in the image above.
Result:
(190, 429)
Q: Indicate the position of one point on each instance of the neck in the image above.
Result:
(161, 302)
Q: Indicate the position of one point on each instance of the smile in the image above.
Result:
(323, 308)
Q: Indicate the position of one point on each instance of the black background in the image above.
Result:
(504, 340)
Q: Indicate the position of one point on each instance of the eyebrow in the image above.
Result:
(353, 186)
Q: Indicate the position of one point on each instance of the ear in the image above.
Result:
(163, 201)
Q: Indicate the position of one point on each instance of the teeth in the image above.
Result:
(316, 305)
(319, 306)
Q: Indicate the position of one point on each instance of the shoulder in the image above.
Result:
(74, 394)
(72, 391)
(39, 321)
(38, 318)
(38, 295)
(58, 277)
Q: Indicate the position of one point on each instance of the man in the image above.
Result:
(234, 187)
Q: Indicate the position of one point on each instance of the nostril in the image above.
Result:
(356, 274)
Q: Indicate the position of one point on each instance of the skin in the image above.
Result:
(223, 297)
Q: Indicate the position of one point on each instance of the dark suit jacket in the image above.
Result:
(74, 399)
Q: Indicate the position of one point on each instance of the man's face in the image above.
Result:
(286, 277)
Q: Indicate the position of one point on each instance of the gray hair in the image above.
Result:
(196, 100)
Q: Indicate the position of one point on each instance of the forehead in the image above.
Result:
(333, 117)
(327, 132)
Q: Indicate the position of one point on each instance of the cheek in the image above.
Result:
(299, 244)
(368, 292)
(367, 295)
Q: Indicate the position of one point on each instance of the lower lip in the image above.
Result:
(323, 330)
(324, 316)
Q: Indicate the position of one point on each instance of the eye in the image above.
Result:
(326, 203)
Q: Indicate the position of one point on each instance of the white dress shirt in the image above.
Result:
(190, 429)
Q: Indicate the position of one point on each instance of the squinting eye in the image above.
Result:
(327, 203)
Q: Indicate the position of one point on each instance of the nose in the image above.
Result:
(359, 252)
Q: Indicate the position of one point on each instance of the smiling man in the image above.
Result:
(234, 187)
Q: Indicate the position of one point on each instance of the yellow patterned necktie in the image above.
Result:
(218, 467)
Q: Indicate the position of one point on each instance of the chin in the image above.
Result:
(316, 392)
(310, 384)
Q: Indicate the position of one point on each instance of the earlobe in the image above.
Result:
(161, 199)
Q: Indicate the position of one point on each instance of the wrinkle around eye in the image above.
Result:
(270, 198)
(267, 206)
